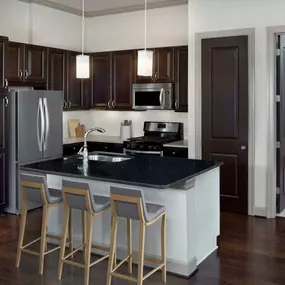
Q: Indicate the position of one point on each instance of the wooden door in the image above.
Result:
(74, 85)
(15, 62)
(181, 79)
(101, 81)
(225, 116)
(3, 153)
(57, 71)
(163, 68)
(143, 79)
(123, 72)
(3, 59)
(35, 64)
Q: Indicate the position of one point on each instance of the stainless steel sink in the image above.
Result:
(107, 157)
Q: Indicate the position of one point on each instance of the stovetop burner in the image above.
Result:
(156, 134)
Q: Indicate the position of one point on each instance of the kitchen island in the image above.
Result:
(189, 189)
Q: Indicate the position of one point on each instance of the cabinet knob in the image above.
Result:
(156, 75)
(176, 104)
(109, 104)
(21, 73)
(26, 74)
(113, 104)
(243, 147)
(6, 84)
(173, 152)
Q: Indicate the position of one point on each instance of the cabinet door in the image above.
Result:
(101, 85)
(57, 69)
(71, 149)
(163, 68)
(14, 67)
(35, 64)
(181, 79)
(74, 85)
(3, 154)
(123, 72)
(143, 79)
(3, 57)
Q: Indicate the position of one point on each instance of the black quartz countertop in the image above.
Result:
(144, 170)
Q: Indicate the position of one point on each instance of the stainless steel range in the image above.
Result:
(156, 134)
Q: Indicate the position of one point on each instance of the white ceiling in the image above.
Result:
(104, 7)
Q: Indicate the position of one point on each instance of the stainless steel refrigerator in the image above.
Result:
(34, 134)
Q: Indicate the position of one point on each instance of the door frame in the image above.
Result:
(271, 101)
(197, 100)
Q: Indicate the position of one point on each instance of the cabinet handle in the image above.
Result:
(69, 105)
(156, 75)
(26, 74)
(176, 104)
(113, 104)
(6, 101)
(109, 104)
(6, 84)
(21, 74)
(64, 104)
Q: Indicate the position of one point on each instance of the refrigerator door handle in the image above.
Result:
(47, 121)
(40, 129)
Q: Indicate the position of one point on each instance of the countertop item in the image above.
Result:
(146, 171)
(94, 138)
(182, 144)
(72, 125)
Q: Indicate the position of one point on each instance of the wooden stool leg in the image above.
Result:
(43, 239)
(63, 240)
(163, 247)
(88, 248)
(84, 234)
(22, 232)
(141, 253)
(130, 249)
(112, 249)
(115, 257)
(71, 233)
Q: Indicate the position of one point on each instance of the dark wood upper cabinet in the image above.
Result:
(163, 67)
(123, 78)
(101, 80)
(35, 63)
(3, 58)
(181, 79)
(75, 93)
(15, 62)
(57, 70)
(3, 153)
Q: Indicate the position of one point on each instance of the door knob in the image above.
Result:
(243, 147)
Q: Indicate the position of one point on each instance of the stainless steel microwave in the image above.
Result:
(153, 96)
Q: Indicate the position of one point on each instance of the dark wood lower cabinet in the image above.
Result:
(3, 153)
(175, 152)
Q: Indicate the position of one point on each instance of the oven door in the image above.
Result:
(142, 152)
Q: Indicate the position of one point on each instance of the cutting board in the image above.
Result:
(80, 131)
(72, 125)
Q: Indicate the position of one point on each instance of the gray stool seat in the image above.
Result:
(153, 211)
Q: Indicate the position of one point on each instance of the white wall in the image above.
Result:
(215, 15)
(110, 120)
(35, 24)
(165, 27)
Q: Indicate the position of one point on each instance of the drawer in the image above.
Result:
(175, 152)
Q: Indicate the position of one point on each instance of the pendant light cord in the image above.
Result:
(145, 25)
(83, 26)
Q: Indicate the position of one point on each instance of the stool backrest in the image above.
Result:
(77, 195)
(34, 188)
(128, 203)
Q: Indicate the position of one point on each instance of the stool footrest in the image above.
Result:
(30, 252)
(74, 263)
(122, 276)
(121, 263)
(99, 260)
(52, 250)
(153, 271)
(30, 243)
(74, 251)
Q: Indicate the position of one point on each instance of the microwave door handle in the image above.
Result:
(161, 98)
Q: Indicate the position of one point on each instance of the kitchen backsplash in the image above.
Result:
(111, 120)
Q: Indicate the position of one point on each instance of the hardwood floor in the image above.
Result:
(251, 252)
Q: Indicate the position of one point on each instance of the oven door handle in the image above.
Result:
(161, 98)
(141, 151)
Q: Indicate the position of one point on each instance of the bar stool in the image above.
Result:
(77, 195)
(34, 189)
(130, 204)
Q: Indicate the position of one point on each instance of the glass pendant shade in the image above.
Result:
(82, 66)
(145, 62)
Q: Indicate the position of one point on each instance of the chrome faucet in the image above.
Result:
(84, 150)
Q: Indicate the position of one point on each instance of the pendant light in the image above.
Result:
(145, 57)
(82, 61)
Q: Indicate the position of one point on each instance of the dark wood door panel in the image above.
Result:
(15, 60)
(164, 65)
(35, 63)
(123, 72)
(225, 115)
(181, 79)
(3, 184)
(101, 80)
(3, 60)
